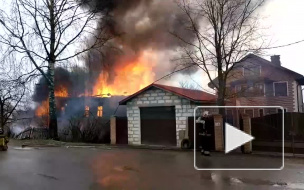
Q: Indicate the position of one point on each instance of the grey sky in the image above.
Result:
(284, 20)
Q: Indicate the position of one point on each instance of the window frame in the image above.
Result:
(247, 89)
(238, 94)
(262, 84)
(62, 109)
(273, 86)
(87, 111)
(99, 111)
(260, 73)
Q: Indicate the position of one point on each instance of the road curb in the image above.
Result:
(286, 155)
(103, 146)
(39, 145)
(79, 146)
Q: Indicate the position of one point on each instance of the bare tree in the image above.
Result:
(188, 85)
(45, 33)
(225, 31)
(11, 94)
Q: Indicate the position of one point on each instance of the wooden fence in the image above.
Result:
(267, 131)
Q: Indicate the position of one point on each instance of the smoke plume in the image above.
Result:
(141, 29)
(138, 26)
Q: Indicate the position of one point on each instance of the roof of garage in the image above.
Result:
(192, 95)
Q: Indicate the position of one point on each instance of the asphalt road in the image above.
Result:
(93, 168)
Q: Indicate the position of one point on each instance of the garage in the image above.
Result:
(158, 114)
(158, 126)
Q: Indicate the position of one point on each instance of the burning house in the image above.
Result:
(139, 53)
(74, 101)
(102, 107)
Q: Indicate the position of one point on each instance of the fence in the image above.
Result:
(267, 131)
(34, 133)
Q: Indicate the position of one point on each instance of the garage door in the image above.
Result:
(158, 126)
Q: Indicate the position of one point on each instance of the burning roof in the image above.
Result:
(140, 52)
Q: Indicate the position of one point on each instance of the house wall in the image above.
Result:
(273, 74)
(156, 97)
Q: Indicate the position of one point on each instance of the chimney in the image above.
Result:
(275, 59)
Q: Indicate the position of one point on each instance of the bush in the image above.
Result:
(86, 129)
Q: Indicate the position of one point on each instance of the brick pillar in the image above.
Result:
(247, 129)
(218, 132)
(113, 129)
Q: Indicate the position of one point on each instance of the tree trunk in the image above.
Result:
(221, 102)
(1, 115)
(52, 104)
(221, 94)
(51, 74)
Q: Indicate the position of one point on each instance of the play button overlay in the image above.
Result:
(238, 137)
(235, 138)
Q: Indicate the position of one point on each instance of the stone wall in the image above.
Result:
(156, 97)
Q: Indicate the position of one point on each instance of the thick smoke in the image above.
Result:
(147, 23)
(73, 81)
(137, 25)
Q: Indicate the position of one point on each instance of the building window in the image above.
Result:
(280, 89)
(252, 70)
(259, 89)
(240, 89)
(252, 89)
(261, 112)
(62, 110)
(87, 111)
(99, 111)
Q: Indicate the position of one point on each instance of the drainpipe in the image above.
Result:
(298, 97)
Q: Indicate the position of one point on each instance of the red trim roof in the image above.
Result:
(192, 95)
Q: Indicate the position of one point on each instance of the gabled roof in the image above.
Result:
(192, 95)
(262, 61)
(300, 81)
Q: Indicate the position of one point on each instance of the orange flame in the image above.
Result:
(130, 77)
(43, 109)
(61, 92)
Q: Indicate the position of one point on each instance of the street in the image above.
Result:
(114, 168)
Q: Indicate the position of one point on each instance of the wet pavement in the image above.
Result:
(239, 161)
(95, 168)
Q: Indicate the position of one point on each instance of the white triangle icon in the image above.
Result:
(235, 138)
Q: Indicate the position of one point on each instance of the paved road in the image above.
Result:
(91, 168)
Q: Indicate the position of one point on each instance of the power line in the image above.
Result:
(204, 89)
(285, 45)
(274, 47)
(159, 80)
